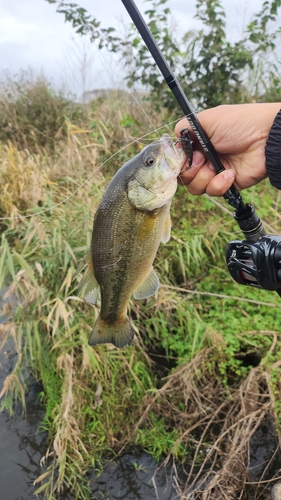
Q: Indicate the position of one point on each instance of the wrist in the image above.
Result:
(273, 152)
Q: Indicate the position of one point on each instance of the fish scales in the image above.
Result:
(122, 256)
(131, 221)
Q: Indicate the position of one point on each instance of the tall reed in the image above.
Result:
(182, 387)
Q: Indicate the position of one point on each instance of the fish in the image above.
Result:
(133, 218)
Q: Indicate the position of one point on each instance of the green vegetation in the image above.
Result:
(202, 337)
(204, 369)
(32, 114)
(211, 66)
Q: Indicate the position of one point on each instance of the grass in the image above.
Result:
(32, 114)
(204, 369)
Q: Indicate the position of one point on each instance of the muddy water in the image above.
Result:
(21, 446)
(134, 476)
(20, 451)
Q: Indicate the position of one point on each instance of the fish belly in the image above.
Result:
(124, 244)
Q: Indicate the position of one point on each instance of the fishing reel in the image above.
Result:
(255, 261)
(257, 264)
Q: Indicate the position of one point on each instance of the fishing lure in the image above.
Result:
(186, 144)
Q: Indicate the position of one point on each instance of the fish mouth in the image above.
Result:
(173, 158)
(168, 146)
(172, 153)
(170, 166)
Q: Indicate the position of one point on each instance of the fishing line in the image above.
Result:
(116, 74)
(100, 166)
(149, 119)
(19, 217)
(89, 177)
(40, 212)
(131, 93)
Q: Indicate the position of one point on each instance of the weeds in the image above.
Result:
(32, 114)
(204, 369)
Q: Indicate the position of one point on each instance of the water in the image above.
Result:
(134, 476)
(21, 450)
(21, 446)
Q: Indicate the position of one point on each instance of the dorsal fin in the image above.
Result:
(88, 282)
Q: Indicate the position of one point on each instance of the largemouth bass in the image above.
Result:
(131, 221)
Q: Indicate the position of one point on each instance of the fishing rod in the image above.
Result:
(255, 261)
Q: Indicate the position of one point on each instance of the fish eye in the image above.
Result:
(149, 161)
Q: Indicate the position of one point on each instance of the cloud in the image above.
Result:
(34, 35)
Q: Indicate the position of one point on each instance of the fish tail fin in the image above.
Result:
(121, 333)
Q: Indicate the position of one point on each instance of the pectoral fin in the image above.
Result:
(148, 287)
(166, 229)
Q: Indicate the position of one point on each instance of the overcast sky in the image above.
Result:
(33, 36)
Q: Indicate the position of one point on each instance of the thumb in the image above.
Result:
(219, 184)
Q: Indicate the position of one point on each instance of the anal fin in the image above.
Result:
(148, 287)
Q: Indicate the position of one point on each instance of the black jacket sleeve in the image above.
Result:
(273, 152)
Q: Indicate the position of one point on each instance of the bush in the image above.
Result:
(33, 114)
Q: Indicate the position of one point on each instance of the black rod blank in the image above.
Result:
(232, 195)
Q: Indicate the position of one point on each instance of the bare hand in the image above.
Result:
(238, 133)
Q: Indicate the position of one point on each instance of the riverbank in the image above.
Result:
(203, 374)
(23, 445)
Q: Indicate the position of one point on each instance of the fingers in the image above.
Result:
(198, 161)
(197, 179)
(220, 183)
(187, 173)
(202, 178)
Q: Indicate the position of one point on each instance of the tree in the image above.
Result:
(210, 68)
